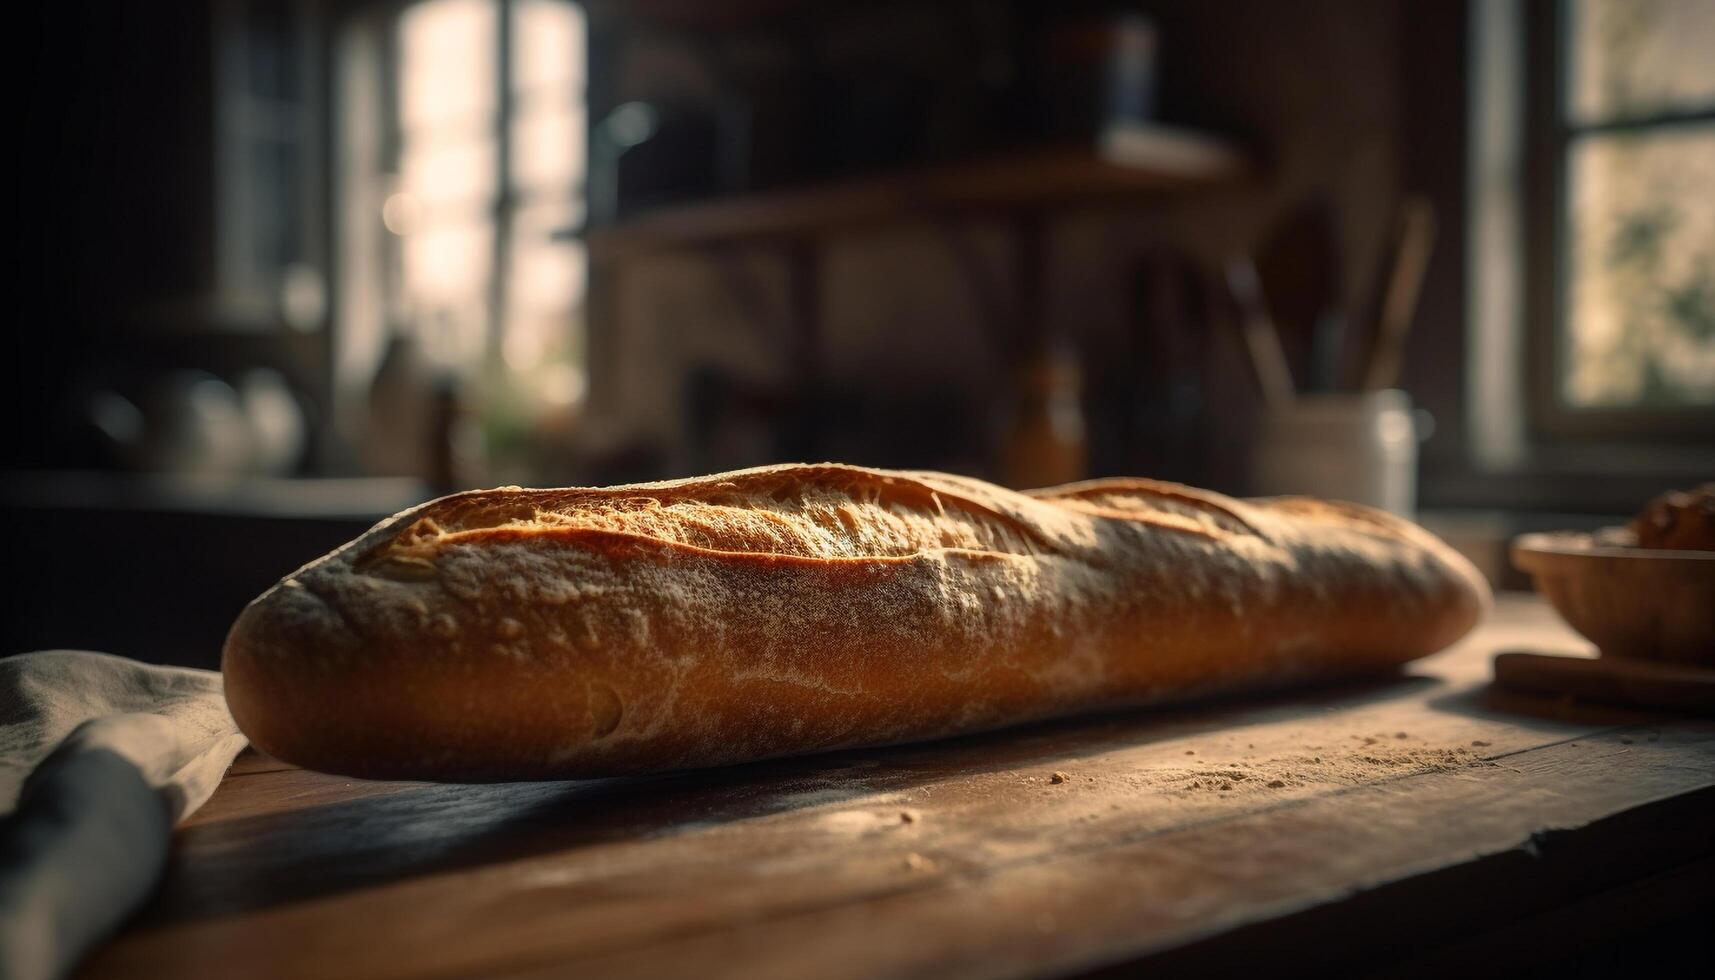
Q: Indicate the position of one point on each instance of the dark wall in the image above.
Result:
(162, 586)
(114, 209)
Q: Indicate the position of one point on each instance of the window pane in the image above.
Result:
(547, 47)
(545, 286)
(448, 173)
(275, 207)
(1640, 311)
(1639, 57)
(548, 150)
(447, 51)
(446, 275)
(547, 274)
(271, 50)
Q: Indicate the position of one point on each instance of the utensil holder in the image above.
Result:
(1357, 447)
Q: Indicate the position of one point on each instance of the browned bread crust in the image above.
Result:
(588, 632)
(1679, 520)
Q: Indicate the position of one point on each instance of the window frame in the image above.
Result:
(373, 31)
(1549, 138)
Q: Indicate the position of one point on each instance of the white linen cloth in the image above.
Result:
(99, 757)
(169, 722)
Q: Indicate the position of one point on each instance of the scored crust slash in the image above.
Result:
(515, 634)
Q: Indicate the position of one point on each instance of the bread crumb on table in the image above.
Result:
(1353, 766)
(907, 816)
(1058, 777)
(1479, 743)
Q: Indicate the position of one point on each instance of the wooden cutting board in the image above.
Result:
(1416, 819)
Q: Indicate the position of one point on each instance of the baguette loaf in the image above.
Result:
(511, 633)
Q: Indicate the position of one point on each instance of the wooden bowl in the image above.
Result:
(1630, 602)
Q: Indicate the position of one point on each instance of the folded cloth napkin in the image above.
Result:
(99, 757)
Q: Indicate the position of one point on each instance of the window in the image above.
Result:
(1630, 237)
(268, 257)
(463, 151)
(1590, 257)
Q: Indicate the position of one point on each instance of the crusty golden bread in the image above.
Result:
(512, 633)
(1679, 520)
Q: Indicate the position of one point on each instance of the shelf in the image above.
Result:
(1124, 161)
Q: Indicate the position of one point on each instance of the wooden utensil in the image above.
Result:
(1262, 339)
(1298, 265)
(1414, 243)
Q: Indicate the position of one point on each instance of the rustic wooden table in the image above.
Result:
(1406, 821)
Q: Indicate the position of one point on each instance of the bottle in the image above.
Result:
(1047, 444)
(455, 446)
(398, 431)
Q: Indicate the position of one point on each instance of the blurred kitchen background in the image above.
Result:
(287, 266)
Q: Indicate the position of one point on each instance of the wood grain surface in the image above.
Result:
(1405, 817)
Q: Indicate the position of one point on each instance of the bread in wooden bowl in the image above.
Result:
(1646, 590)
(1679, 520)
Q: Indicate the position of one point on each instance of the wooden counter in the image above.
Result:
(1422, 822)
